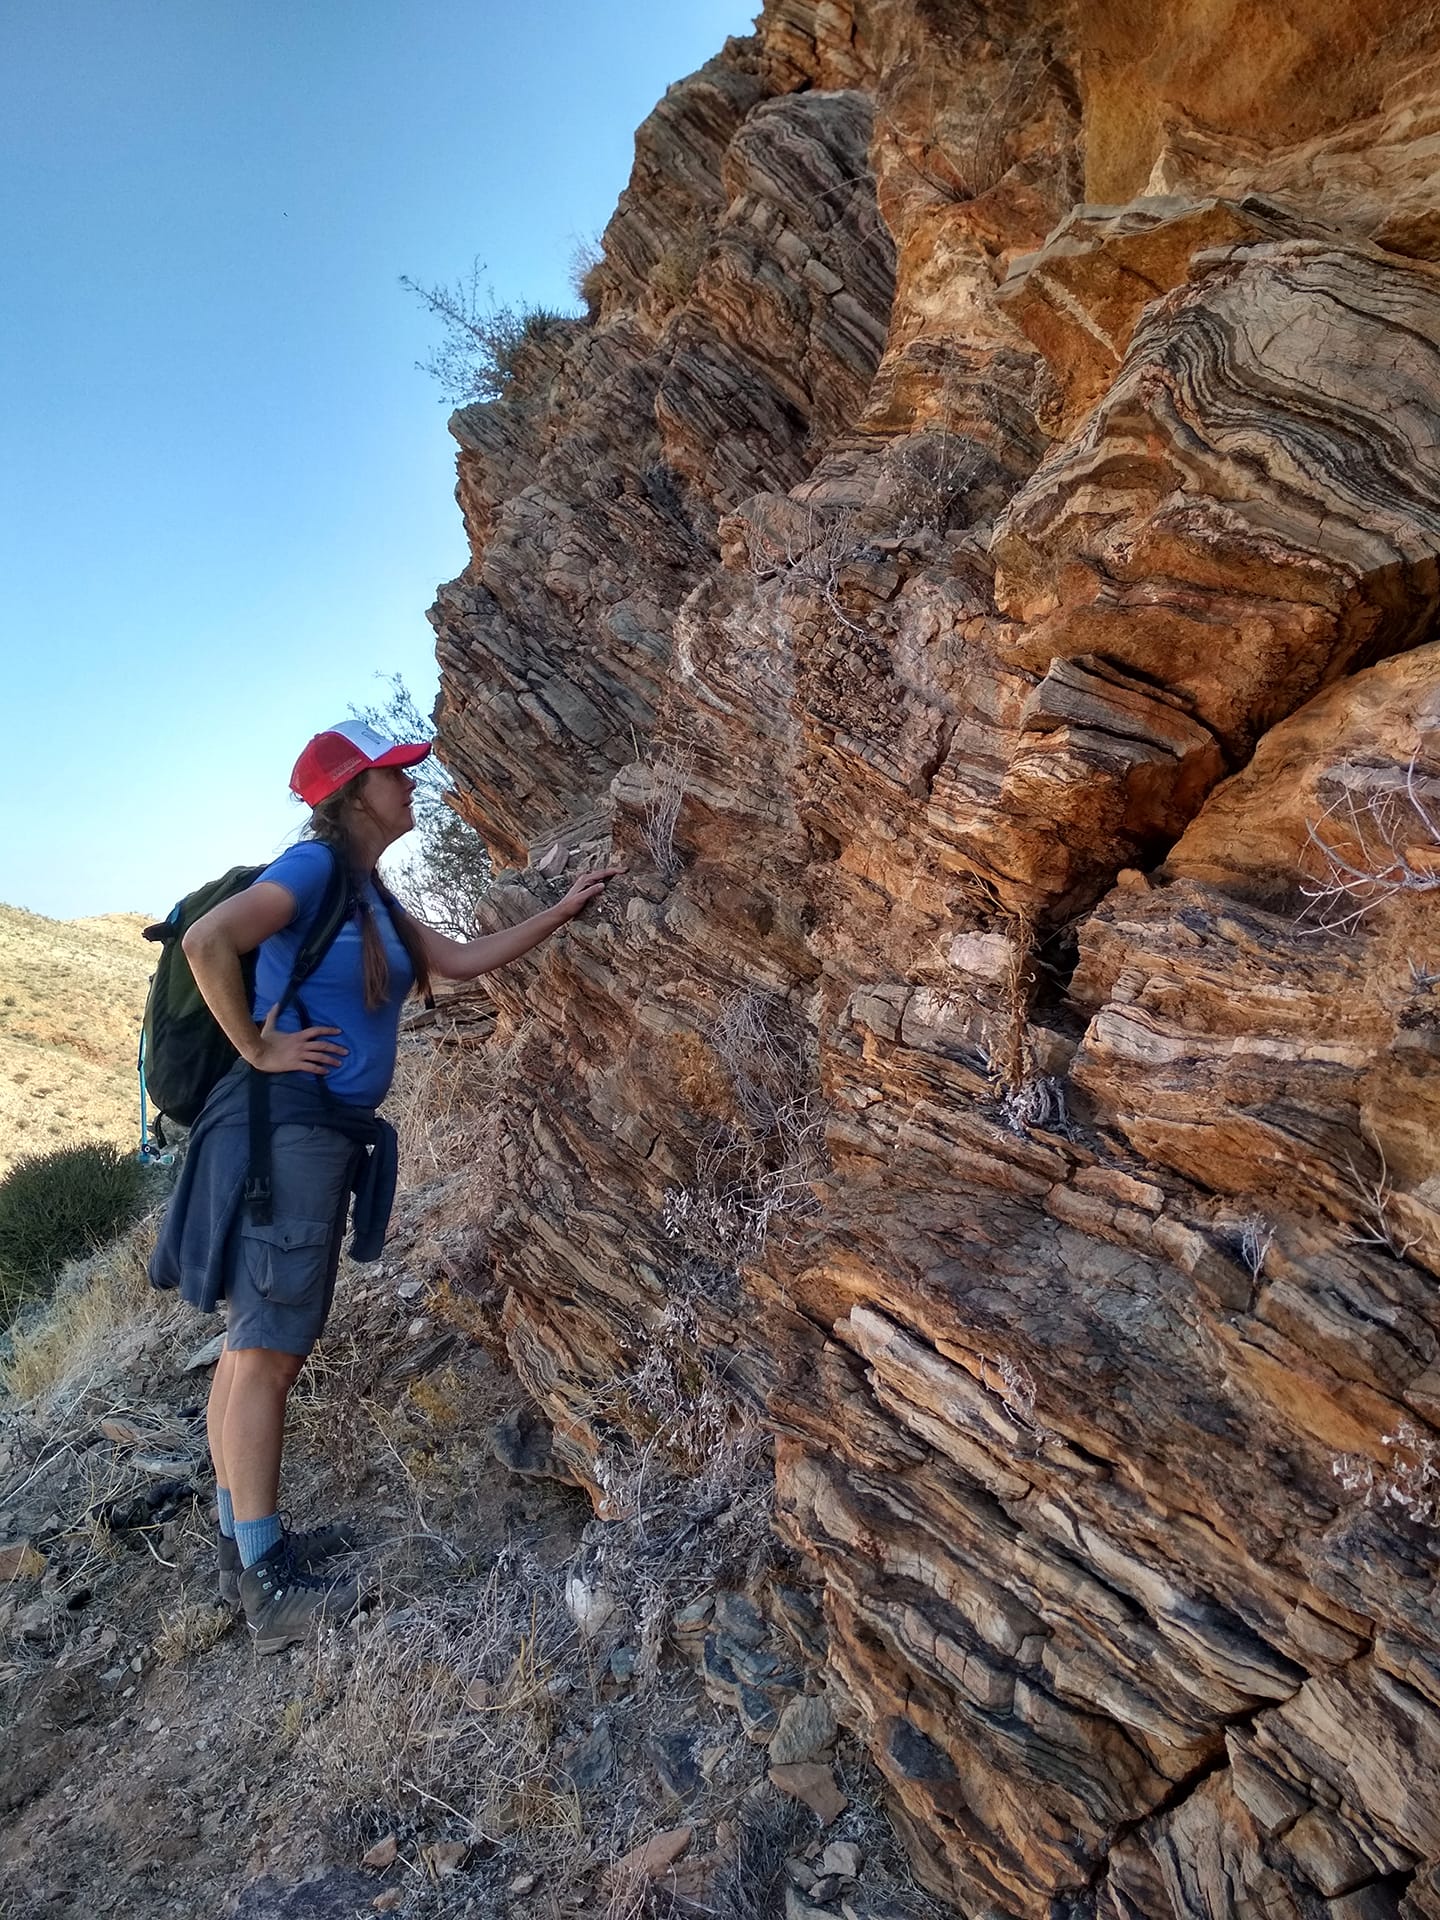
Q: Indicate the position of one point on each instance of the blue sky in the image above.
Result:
(225, 488)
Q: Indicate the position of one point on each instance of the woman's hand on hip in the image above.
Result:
(308, 1051)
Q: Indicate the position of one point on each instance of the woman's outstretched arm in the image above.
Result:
(464, 959)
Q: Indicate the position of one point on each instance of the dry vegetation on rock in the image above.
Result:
(1025, 519)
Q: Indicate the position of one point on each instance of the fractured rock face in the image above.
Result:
(1233, 520)
(995, 627)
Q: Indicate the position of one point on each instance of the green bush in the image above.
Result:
(56, 1206)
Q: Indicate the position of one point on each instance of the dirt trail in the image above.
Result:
(529, 1697)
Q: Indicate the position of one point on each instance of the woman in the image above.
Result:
(299, 1107)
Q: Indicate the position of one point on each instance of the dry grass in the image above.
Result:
(687, 1477)
(71, 996)
(191, 1629)
(755, 1175)
(447, 1103)
(669, 780)
(451, 1702)
(101, 1312)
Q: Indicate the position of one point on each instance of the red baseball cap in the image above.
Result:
(342, 751)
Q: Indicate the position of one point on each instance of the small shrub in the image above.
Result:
(755, 1175)
(686, 1471)
(1256, 1237)
(669, 777)
(674, 274)
(92, 1326)
(816, 553)
(1377, 838)
(1408, 1482)
(1372, 1196)
(587, 270)
(483, 341)
(57, 1206)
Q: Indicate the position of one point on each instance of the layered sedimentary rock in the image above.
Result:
(977, 564)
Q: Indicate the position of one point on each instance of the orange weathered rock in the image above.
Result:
(978, 565)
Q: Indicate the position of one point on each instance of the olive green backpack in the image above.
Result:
(184, 1053)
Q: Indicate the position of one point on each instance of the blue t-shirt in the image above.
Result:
(334, 995)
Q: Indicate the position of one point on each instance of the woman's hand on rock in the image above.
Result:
(308, 1051)
(584, 888)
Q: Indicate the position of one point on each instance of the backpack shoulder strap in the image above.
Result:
(337, 903)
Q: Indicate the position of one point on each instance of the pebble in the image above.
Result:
(806, 1729)
(757, 1715)
(673, 1757)
(20, 1561)
(842, 1857)
(696, 1614)
(653, 1857)
(797, 1907)
(36, 1621)
(444, 1857)
(814, 1785)
(592, 1762)
(738, 1615)
(205, 1356)
(588, 1606)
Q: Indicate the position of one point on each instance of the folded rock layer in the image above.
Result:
(976, 564)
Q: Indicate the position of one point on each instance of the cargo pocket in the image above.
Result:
(287, 1261)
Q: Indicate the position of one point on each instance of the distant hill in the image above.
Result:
(71, 995)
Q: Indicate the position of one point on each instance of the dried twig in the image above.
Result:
(669, 779)
(815, 554)
(1378, 838)
(1374, 1197)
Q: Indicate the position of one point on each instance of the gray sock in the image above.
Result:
(256, 1537)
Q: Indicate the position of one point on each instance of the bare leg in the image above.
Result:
(254, 1427)
(215, 1414)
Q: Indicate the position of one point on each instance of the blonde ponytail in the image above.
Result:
(330, 823)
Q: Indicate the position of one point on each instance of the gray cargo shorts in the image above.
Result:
(280, 1279)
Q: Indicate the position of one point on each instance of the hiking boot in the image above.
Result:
(280, 1601)
(311, 1547)
(230, 1566)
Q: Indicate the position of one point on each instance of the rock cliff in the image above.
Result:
(977, 565)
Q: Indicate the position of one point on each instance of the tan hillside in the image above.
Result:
(71, 995)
